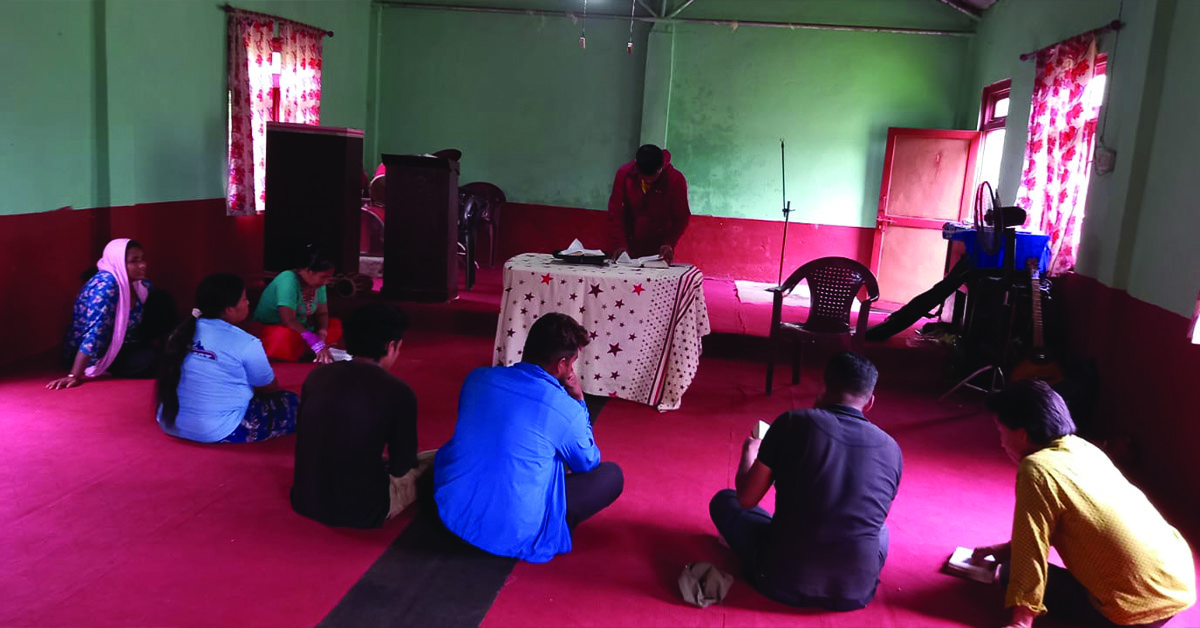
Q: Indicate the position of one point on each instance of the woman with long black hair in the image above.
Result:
(216, 383)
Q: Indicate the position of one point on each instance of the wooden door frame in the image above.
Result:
(882, 221)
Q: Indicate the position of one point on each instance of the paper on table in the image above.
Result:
(649, 261)
(576, 248)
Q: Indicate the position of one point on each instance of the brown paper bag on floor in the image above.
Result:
(702, 584)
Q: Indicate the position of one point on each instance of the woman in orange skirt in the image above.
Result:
(293, 315)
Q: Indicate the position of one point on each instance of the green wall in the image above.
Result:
(551, 123)
(1165, 258)
(113, 102)
(532, 112)
(116, 102)
(1013, 27)
(831, 95)
(1136, 235)
(47, 105)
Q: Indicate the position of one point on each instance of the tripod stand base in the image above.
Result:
(997, 376)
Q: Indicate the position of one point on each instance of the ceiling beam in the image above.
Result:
(676, 12)
(645, 6)
(403, 4)
(967, 11)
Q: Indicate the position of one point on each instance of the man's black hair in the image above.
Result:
(1032, 405)
(649, 159)
(850, 373)
(553, 337)
(369, 329)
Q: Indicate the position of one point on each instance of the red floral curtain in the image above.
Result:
(249, 81)
(1062, 123)
(300, 74)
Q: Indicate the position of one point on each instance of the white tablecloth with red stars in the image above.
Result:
(646, 324)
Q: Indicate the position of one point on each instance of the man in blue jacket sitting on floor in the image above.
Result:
(500, 482)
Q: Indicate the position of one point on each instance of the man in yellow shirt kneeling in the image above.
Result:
(1126, 566)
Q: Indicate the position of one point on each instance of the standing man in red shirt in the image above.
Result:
(648, 210)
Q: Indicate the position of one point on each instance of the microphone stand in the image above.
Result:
(787, 210)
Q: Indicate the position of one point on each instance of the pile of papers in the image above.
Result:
(576, 248)
(649, 261)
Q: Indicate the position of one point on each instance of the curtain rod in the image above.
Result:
(1114, 25)
(232, 9)
(654, 20)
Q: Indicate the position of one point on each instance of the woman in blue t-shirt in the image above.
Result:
(217, 384)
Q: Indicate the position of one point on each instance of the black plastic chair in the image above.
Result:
(833, 283)
(489, 198)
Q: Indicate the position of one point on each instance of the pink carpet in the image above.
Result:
(108, 522)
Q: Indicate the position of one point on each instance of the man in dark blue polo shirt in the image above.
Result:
(835, 476)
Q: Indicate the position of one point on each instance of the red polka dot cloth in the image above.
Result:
(646, 324)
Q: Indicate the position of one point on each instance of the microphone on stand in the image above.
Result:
(787, 210)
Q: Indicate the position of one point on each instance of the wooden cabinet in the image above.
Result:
(314, 194)
(420, 242)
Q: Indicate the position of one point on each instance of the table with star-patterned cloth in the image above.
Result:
(645, 323)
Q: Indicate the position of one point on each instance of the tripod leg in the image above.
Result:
(770, 368)
(797, 360)
(966, 381)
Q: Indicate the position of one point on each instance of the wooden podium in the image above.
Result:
(420, 238)
(314, 195)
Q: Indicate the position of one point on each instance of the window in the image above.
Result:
(1196, 324)
(1064, 111)
(276, 63)
(1093, 96)
(993, 115)
(271, 78)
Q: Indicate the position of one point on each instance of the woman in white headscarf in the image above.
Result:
(108, 332)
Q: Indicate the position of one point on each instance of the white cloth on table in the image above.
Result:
(646, 324)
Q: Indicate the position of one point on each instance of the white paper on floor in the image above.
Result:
(756, 292)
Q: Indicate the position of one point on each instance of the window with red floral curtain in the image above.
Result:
(250, 104)
(1062, 126)
(300, 74)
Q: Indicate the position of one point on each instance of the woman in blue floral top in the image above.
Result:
(112, 329)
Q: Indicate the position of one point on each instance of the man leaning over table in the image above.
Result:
(648, 208)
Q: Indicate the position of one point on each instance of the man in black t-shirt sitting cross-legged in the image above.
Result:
(349, 412)
(835, 476)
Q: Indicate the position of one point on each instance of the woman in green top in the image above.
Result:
(294, 314)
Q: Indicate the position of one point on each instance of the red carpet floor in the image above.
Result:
(107, 522)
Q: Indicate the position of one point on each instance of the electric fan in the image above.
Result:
(989, 224)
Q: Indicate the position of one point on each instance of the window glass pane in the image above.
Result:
(1000, 109)
(1093, 94)
(993, 149)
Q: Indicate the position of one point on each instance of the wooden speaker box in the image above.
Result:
(314, 195)
(420, 241)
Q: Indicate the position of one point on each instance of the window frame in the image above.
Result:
(276, 94)
(988, 121)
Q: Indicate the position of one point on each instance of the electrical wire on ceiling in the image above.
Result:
(632, 12)
(583, 28)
